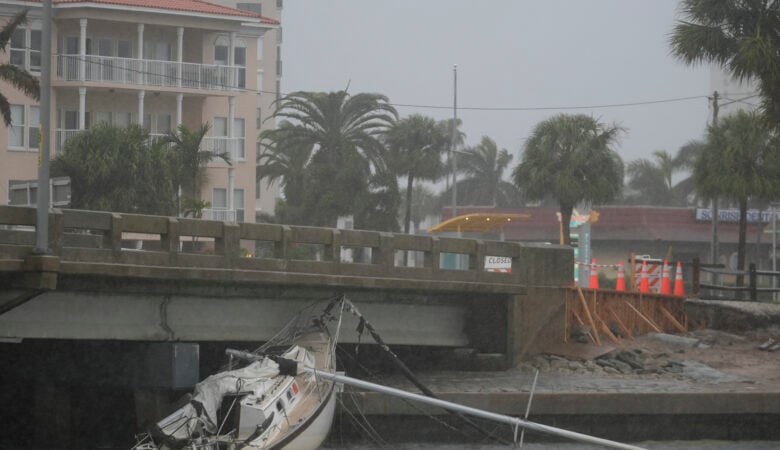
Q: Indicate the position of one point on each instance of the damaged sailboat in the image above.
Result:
(268, 402)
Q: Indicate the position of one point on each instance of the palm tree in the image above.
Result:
(571, 158)
(19, 78)
(344, 132)
(685, 160)
(484, 166)
(286, 165)
(415, 146)
(740, 36)
(424, 203)
(189, 161)
(742, 162)
(651, 180)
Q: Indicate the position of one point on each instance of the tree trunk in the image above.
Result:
(742, 239)
(408, 218)
(566, 211)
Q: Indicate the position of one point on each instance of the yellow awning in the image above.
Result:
(477, 222)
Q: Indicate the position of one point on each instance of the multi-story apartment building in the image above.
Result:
(155, 63)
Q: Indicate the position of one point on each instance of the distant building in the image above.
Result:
(679, 233)
(157, 64)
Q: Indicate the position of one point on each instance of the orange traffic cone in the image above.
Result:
(679, 288)
(644, 283)
(666, 282)
(594, 275)
(620, 284)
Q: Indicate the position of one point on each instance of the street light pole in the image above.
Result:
(43, 200)
(453, 139)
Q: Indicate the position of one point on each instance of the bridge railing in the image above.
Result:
(132, 239)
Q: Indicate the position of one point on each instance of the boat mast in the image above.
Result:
(514, 421)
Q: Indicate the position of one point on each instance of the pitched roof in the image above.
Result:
(195, 6)
(620, 223)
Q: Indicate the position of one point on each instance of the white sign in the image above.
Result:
(498, 264)
(732, 215)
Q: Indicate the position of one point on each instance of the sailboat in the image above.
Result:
(263, 399)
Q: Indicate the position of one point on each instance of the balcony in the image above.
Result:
(145, 72)
(234, 147)
(220, 214)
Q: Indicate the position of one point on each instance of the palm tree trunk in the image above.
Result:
(408, 213)
(742, 239)
(408, 218)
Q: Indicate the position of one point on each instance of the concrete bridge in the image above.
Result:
(132, 277)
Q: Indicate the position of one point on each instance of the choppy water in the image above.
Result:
(650, 445)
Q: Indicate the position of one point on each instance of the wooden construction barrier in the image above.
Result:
(611, 314)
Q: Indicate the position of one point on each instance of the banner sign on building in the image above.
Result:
(732, 215)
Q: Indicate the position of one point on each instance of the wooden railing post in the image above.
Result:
(433, 258)
(114, 236)
(286, 245)
(384, 255)
(230, 243)
(695, 276)
(753, 281)
(56, 231)
(169, 242)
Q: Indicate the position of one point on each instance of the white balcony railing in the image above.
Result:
(223, 215)
(146, 72)
(61, 136)
(232, 146)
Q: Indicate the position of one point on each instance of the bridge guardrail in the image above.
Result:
(104, 237)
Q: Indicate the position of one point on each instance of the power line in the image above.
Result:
(223, 85)
(549, 108)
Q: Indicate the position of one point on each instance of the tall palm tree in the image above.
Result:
(742, 162)
(415, 146)
(571, 158)
(189, 159)
(741, 36)
(651, 180)
(344, 131)
(484, 167)
(19, 78)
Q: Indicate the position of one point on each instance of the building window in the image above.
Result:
(219, 198)
(239, 60)
(221, 55)
(239, 132)
(23, 132)
(259, 49)
(33, 129)
(259, 119)
(253, 7)
(16, 131)
(219, 131)
(238, 204)
(25, 48)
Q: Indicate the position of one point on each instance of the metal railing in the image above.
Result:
(740, 290)
(146, 72)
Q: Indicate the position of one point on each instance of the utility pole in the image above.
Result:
(43, 201)
(453, 139)
(715, 212)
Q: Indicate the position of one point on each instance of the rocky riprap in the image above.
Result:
(623, 362)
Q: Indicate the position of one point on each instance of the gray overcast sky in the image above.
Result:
(511, 54)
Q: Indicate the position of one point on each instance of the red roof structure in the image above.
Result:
(619, 223)
(194, 6)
